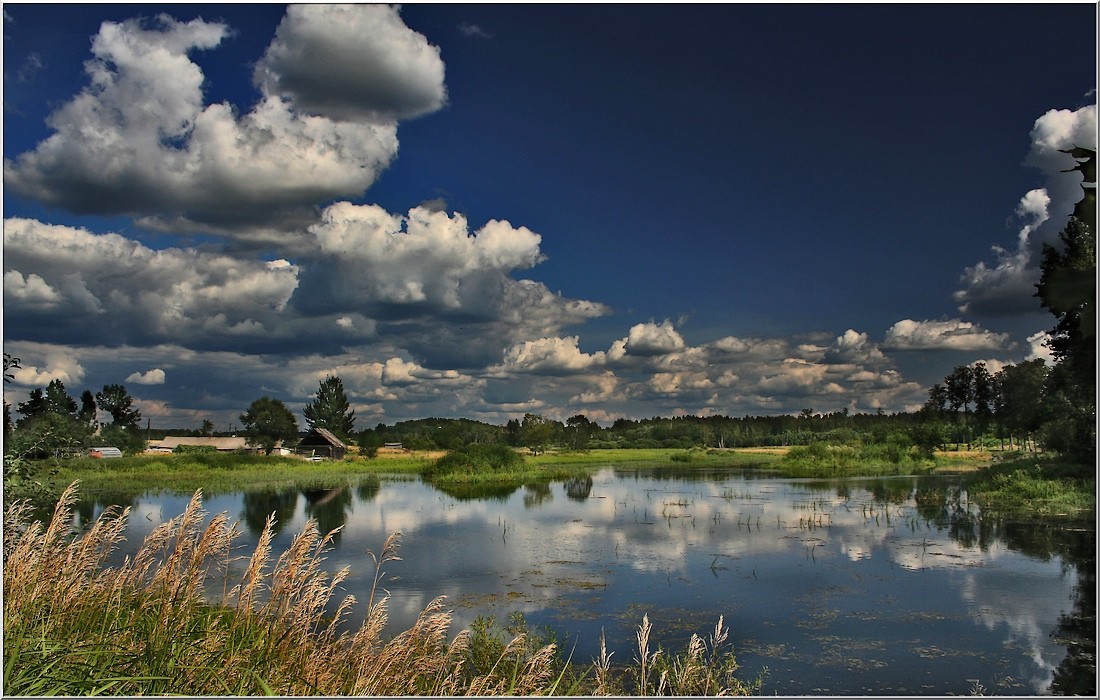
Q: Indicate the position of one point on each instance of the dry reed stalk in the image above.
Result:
(602, 667)
(251, 586)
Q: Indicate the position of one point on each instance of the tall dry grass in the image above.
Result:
(73, 625)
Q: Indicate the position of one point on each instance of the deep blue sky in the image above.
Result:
(745, 199)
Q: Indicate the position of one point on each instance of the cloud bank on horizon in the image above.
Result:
(258, 268)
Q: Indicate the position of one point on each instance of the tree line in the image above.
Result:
(53, 424)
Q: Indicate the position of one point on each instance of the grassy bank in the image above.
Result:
(1036, 486)
(218, 473)
(74, 627)
(656, 457)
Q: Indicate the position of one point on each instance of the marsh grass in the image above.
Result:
(75, 625)
(1036, 487)
(823, 460)
(217, 472)
(649, 457)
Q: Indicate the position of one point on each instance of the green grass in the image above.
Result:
(655, 457)
(218, 473)
(1036, 486)
(823, 460)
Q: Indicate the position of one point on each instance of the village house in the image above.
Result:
(321, 443)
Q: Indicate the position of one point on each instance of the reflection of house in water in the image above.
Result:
(320, 442)
(329, 507)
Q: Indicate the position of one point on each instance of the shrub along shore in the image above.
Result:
(220, 472)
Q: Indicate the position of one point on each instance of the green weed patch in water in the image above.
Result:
(819, 459)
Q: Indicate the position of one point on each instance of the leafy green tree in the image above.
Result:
(207, 428)
(116, 401)
(928, 437)
(936, 405)
(128, 439)
(370, 442)
(984, 390)
(50, 434)
(267, 422)
(536, 432)
(512, 433)
(1018, 406)
(959, 386)
(579, 429)
(10, 362)
(331, 410)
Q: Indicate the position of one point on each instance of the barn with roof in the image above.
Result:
(320, 442)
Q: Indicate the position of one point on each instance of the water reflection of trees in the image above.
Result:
(536, 494)
(329, 507)
(368, 488)
(1076, 675)
(477, 492)
(578, 488)
(258, 505)
(91, 506)
(948, 509)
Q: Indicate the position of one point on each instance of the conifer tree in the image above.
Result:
(331, 409)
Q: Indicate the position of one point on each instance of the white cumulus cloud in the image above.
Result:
(1007, 285)
(650, 339)
(942, 335)
(397, 73)
(150, 378)
(141, 140)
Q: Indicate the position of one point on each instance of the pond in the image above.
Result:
(835, 587)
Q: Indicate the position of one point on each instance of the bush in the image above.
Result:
(471, 459)
(194, 449)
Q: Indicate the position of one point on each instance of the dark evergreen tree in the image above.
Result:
(1067, 288)
(115, 400)
(58, 400)
(331, 409)
(87, 413)
(35, 405)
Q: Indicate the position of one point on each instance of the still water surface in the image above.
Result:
(854, 586)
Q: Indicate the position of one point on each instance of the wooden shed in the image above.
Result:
(320, 442)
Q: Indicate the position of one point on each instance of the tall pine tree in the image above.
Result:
(331, 409)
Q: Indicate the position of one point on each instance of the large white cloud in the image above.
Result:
(69, 281)
(549, 356)
(397, 72)
(648, 340)
(367, 255)
(942, 335)
(1007, 286)
(140, 139)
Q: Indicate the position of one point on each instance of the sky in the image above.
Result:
(482, 211)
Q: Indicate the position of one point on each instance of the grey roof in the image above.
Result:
(329, 437)
(221, 443)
